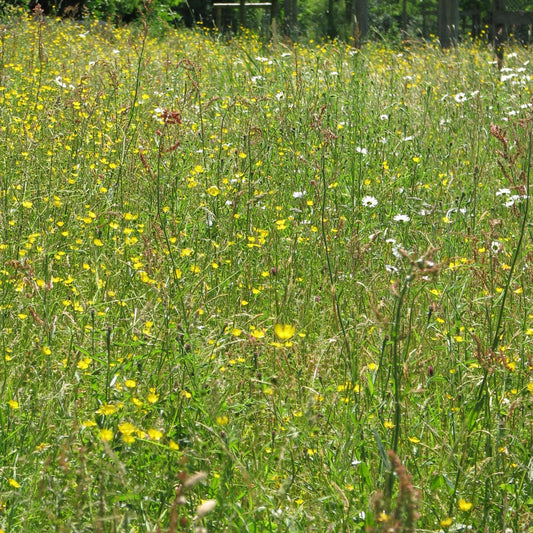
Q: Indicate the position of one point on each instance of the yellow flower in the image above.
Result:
(27, 204)
(98, 242)
(127, 428)
(213, 190)
(257, 333)
(13, 404)
(14, 483)
(388, 424)
(446, 522)
(107, 409)
(155, 434)
(530, 387)
(83, 364)
(464, 505)
(106, 435)
(284, 331)
(152, 396)
(222, 420)
(130, 383)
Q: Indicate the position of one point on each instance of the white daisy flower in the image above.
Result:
(369, 201)
(503, 191)
(402, 218)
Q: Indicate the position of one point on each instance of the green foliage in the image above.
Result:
(120, 11)
(235, 275)
(114, 10)
(325, 18)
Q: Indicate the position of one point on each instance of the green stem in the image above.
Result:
(497, 332)
(396, 363)
(336, 304)
(126, 143)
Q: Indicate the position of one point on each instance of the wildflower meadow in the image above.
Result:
(262, 286)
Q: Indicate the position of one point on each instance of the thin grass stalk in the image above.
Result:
(396, 373)
(501, 310)
(336, 304)
(495, 341)
(162, 220)
(126, 142)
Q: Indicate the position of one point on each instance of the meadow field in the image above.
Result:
(262, 287)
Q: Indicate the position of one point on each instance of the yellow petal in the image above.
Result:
(284, 331)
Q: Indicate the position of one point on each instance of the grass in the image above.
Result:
(291, 280)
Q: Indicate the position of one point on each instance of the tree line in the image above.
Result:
(356, 20)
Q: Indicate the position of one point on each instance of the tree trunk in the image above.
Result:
(498, 30)
(360, 19)
(332, 30)
(242, 14)
(290, 22)
(448, 16)
(294, 19)
(274, 20)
